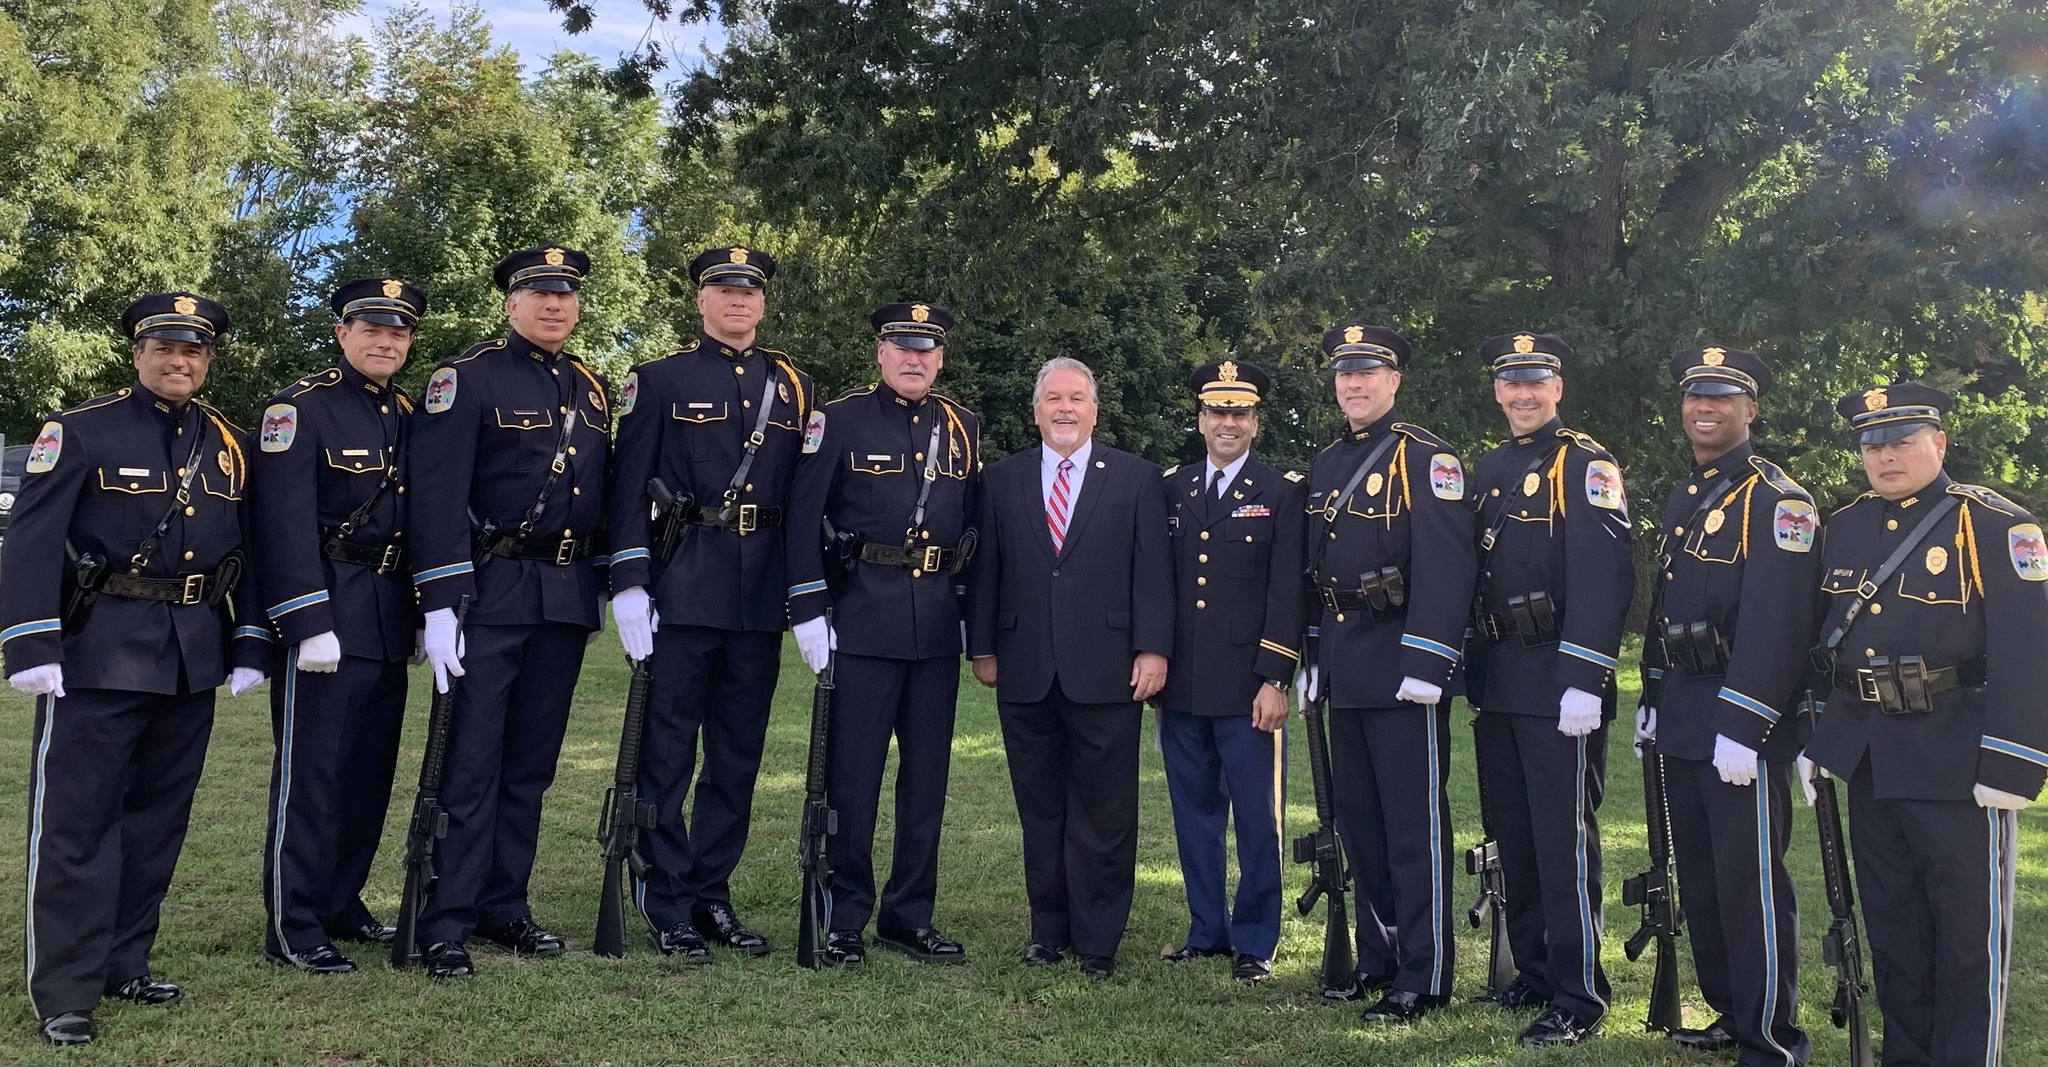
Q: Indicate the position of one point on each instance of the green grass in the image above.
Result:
(582, 1009)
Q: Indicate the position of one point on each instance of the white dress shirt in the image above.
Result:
(1049, 473)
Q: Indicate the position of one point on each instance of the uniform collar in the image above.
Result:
(1550, 429)
(1934, 491)
(1376, 429)
(164, 409)
(1722, 464)
(361, 381)
(891, 398)
(708, 343)
(1230, 472)
(517, 344)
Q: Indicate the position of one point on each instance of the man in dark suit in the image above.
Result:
(1236, 527)
(1072, 593)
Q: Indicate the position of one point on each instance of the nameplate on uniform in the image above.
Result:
(1251, 511)
(355, 451)
(135, 472)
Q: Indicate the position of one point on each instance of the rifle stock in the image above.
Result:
(1653, 891)
(429, 820)
(1324, 849)
(820, 822)
(620, 821)
(1841, 947)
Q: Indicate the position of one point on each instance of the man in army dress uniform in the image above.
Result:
(720, 424)
(1723, 660)
(1392, 534)
(506, 509)
(126, 546)
(333, 576)
(1557, 577)
(888, 487)
(1236, 525)
(1935, 721)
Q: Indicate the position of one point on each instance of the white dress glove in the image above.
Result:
(243, 679)
(1806, 772)
(633, 613)
(1988, 797)
(815, 642)
(1646, 726)
(1308, 685)
(1417, 691)
(45, 680)
(1735, 761)
(320, 653)
(1578, 713)
(444, 645)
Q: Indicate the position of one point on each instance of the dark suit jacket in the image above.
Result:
(1081, 615)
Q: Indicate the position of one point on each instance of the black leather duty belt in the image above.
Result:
(1900, 684)
(186, 589)
(746, 518)
(560, 553)
(930, 559)
(384, 559)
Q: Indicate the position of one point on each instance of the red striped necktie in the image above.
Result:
(1060, 506)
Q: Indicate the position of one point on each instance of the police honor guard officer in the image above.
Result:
(1934, 721)
(719, 424)
(890, 478)
(507, 508)
(1392, 587)
(1722, 664)
(124, 552)
(1557, 576)
(1237, 544)
(334, 579)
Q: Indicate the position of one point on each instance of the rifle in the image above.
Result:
(1483, 859)
(671, 518)
(1322, 847)
(620, 821)
(820, 822)
(429, 819)
(1652, 890)
(1840, 946)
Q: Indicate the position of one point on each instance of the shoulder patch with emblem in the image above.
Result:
(2029, 551)
(1295, 476)
(49, 444)
(1446, 476)
(1603, 485)
(1795, 525)
(440, 395)
(814, 432)
(280, 427)
(628, 393)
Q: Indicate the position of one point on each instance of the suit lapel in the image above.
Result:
(1091, 491)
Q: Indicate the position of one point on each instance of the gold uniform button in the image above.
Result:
(750, 488)
(188, 555)
(1668, 577)
(572, 450)
(1340, 616)
(739, 370)
(1692, 490)
(1200, 604)
(1891, 524)
(555, 371)
(576, 490)
(927, 535)
(564, 409)
(916, 572)
(1868, 652)
(1205, 535)
(134, 485)
(1525, 513)
(1203, 558)
(1247, 539)
(568, 533)
(746, 403)
(1877, 609)
(920, 457)
(401, 489)
(1201, 581)
(191, 511)
(383, 409)
(181, 472)
(1496, 492)
(1678, 531)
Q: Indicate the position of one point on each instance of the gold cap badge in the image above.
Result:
(1227, 372)
(1713, 357)
(392, 287)
(1875, 400)
(920, 313)
(739, 254)
(1354, 334)
(553, 256)
(1524, 343)
(185, 305)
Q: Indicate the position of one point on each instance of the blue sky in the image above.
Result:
(530, 28)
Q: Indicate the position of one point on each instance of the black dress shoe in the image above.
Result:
(1715, 1038)
(142, 989)
(845, 949)
(683, 940)
(1189, 954)
(1403, 1006)
(1037, 955)
(1100, 968)
(369, 933)
(524, 937)
(320, 959)
(721, 927)
(1556, 1027)
(1250, 969)
(1515, 995)
(923, 944)
(448, 959)
(70, 1028)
